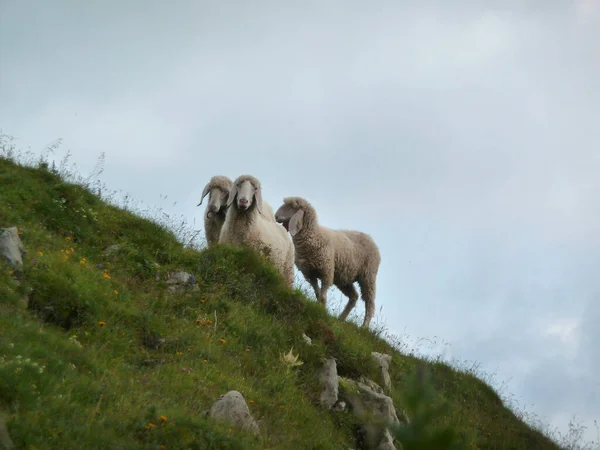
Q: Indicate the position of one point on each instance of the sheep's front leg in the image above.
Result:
(326, 283)
(314, 282)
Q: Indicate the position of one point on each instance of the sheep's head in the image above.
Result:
(247, 190)
(217, 190)
(291, 213)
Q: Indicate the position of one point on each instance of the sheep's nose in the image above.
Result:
(243, 202)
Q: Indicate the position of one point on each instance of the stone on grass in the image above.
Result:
(178, 281)
(232, 408)
(383, 362)
(11, 247)
(5, 439)
(328, 378)
(306, 339)
(374, 409)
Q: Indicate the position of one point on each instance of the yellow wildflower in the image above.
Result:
(102, 324)
(149, 426)
(163, 418)
(68, 238)
(116, 292)
(223, 340)
(83, 261)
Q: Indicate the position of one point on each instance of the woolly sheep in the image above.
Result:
(338, 257)
(217, 190)
(250, 222)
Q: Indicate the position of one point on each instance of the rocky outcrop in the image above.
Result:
(180, 281)
(5, 440)
(328, 379)
(232, 408)
(383, 361)
(373, 409)
(11, 247)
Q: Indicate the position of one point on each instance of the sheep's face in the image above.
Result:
(245, 193)
(217, 199)
(290, 218)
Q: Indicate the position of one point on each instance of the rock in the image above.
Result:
(11, 247)
(383, 361)
(5, 439)
(374, 409)
(328, 378)
(178, 281)
(152, 340)
(156, 271)
(371, 385)
(339, 406)
(108, 251)
(306, 339)
(232, 408)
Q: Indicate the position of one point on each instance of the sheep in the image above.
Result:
(250, 222)
(338, 257)
(218, 187)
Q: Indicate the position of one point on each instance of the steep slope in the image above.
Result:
(105, 355)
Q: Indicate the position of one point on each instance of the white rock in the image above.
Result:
(366, 403)
(232, 408)
(328, 378)
(11, 247)
(383, 361)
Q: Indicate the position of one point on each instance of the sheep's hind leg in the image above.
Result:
(367, 291)
(349, 291)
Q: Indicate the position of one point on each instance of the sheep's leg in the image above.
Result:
(314, 282)
(367, 292)
(349, 291)
(326, 283)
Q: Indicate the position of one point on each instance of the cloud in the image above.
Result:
(462, 136)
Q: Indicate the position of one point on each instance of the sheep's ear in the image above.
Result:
(232, 194)
(204, 193)
(258, 199)
(296, 222)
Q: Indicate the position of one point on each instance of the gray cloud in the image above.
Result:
(463, 137)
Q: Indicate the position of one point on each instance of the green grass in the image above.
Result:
(103, 349)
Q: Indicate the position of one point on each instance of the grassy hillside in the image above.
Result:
(103, 355)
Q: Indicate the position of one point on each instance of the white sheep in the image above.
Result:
(250, 222)
(217, 190)
(336, 257)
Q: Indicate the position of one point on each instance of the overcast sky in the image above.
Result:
(464, 138)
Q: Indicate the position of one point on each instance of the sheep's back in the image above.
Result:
(355, 253)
